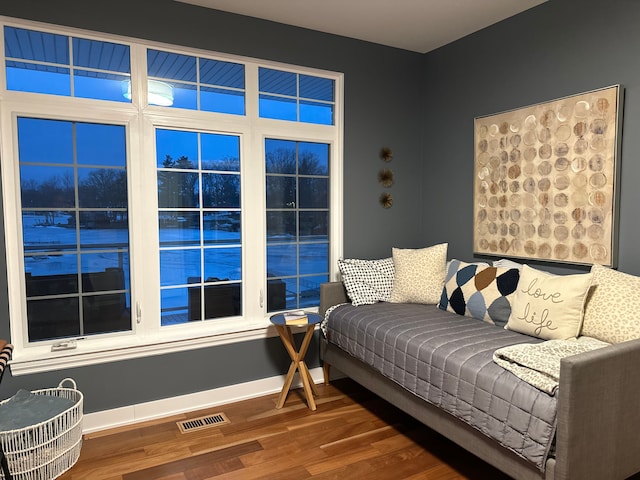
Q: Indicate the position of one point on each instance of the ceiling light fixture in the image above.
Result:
(159, 93)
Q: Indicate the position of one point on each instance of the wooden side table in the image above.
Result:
(297, 356)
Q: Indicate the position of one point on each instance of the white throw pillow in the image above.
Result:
(549, 306)
(419, 274)
(612, 312)
(367, 281)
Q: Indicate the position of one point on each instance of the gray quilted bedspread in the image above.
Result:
(446, 359)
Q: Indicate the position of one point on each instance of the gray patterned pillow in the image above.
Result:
(367, 281)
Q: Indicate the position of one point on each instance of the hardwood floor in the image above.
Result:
(353, 434)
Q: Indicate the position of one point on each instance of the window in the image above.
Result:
(189, 222)
(297, 198)
(185, 81)
(73, 187)
(60, 65)
(199, 223)
(296, 97)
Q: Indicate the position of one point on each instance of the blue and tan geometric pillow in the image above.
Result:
(479, 291)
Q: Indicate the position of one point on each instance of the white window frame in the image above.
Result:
(147, 336)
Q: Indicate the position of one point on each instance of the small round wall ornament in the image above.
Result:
(386, 200)
(385, 177)
(386, 154)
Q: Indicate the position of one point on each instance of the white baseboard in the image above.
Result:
(117, 417)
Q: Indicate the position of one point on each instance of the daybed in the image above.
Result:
(592, 418)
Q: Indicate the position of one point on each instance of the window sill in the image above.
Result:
(39, 359)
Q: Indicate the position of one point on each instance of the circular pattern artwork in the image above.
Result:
(545, 180)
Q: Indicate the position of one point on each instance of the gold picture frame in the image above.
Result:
(545, 179)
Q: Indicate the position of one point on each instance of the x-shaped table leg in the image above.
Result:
(297, 363)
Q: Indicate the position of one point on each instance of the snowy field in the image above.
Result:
(51, 250)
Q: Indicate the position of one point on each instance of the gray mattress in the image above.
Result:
(447, 360)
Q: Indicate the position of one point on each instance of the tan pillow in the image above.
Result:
(549, 306)
(419, 274)
(612, 312)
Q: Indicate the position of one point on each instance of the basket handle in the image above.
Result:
(73, 382)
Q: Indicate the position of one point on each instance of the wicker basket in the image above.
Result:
(46, 450)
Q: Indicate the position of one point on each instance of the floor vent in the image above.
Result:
(203, 422)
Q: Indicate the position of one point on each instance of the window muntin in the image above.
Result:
(197, 83)
(74, 227)
(199, 222)
(41, 62)
(297, 218)
(296, 97)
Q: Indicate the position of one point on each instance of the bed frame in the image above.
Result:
(598, 410)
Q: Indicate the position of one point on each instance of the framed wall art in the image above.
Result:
(546, 179)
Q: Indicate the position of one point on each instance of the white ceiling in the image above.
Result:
(417, 25)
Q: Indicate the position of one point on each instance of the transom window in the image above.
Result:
(62, 65)
(186, 223)
(185, 81)
(296, 97)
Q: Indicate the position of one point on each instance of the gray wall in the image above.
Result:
(382, 89)
(560, 48)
